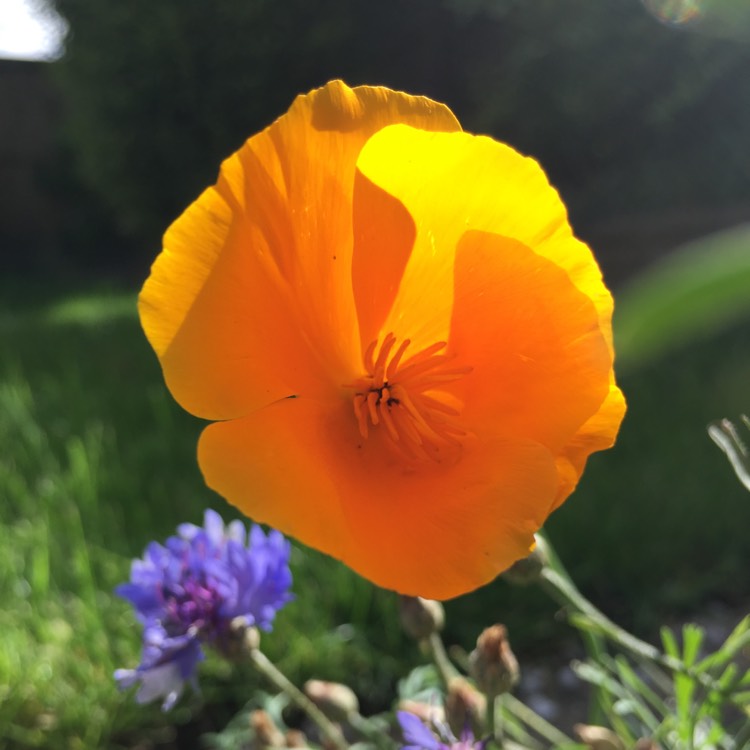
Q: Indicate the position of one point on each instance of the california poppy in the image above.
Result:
(405, 351)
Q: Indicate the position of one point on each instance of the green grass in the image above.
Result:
(96, 460)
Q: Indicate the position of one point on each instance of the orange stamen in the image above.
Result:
(404, 397)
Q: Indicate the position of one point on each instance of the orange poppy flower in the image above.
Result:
(406, 352)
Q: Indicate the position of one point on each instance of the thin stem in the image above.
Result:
(444, 666)
(564, 591)
(368, 731)
(327, 728)
(492, 728)
(534, 721)
(743, 736)
(558, 584)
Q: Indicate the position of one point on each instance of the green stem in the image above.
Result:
(564, 592)
(368, 731)
(535, 722)
(492, 728)
(743, 736)
(557, 583)
(327, 728)
(446, 670)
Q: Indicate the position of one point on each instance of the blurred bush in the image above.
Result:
(627, 115)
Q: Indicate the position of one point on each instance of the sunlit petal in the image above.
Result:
(453, 182)
(597, 434)
(412, 350)
(433, 530)
(540, 363)
(251, 299)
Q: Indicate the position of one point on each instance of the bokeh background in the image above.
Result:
(639, 112)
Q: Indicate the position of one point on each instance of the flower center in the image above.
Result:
(189, 604)
(404, 395)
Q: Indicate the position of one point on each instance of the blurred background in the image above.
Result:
(640, 114)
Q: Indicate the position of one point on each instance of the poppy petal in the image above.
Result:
(541, 365)
(598, 433)
(454, 182)
(220, 362)
(364, 223)
(384, 234)
(432, 530)
(250, 300)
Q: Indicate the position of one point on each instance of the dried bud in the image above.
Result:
(646, 743)
(336, 701)
(598, 738)
(465, 707)
(420, 618)
(295, 738)
(239, 640)
(251, 641)
(527, 570)
(492, 664)
(427, 713)
(267, 734)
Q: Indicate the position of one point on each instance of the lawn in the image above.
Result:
(97, 460)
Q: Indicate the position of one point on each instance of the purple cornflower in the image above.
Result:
(420, 736)
(192, 591)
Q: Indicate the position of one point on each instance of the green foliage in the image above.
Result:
(159, 93)
(732, 439)
(679, 700)
(97, 461)
(683, 351)
(626, 114)
(690, 294)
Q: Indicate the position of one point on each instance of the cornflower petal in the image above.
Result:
(188, 593)
(420, 736)
(416, 735)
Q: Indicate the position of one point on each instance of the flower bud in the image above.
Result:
(646, 743)
(492, 664)
(465, 707)
(598, 738)
(267, 734)
(336, 701)
(420, 618)
(527, 570)
(295, 738)
(239, 640)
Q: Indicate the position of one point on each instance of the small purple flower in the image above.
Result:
(193, 591)
(419, 736)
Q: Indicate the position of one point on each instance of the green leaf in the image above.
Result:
(728, 437)
(696, 291)
(638, 686)
(736, 640)
(728, 678)
(420, 682)
(692, 638)
(684, 688)
(586, 624)
(670, 643)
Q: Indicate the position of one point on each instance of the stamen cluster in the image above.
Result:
(405, 396)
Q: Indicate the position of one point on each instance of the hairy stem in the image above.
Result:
(327, 728)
